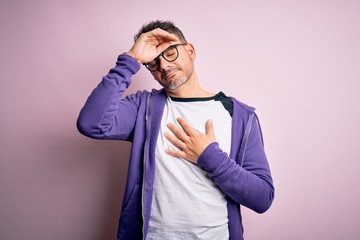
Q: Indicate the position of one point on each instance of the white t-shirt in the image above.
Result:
(186, 203)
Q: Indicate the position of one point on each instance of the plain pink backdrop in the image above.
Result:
(297, 62)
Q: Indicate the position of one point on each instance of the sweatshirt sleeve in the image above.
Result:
(249, 185)
(105, 115)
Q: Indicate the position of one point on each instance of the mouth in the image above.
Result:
(168, 74)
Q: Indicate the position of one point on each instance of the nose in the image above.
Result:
(163, 64)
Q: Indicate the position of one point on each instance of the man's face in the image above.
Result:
(172, 75)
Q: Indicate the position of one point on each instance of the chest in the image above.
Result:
(196, 114)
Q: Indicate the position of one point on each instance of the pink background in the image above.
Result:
(297, 62)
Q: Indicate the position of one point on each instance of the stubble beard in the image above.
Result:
(173, 84)
(175, 81)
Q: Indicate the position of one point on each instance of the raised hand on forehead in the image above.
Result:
(150, 44)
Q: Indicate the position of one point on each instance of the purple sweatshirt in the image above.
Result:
(136, 118)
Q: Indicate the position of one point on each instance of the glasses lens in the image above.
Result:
(171, 54)
(153, 65)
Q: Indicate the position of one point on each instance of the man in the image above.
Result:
(185, 177)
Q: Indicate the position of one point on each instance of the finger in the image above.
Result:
(159, 38)
(209, 128)
(177, 132)
(188, 129)
(178, 154)
(162, 35)
(163, 38)
(175, 141)
(162, 47)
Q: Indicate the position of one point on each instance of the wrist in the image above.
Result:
(133, 56)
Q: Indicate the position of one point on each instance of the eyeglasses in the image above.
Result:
(170, 54)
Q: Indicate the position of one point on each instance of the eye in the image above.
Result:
(170, 53)
(152, 64)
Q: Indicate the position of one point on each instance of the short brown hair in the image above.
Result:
(167, 25)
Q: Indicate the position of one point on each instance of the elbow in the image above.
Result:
(263, 207)
(82, 127)
(266, 201)
(86, 128)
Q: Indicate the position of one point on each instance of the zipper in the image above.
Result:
(146, 156)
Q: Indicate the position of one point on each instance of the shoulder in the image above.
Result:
(142, 95)
(238, 105)
(241, 112)
(242, 106)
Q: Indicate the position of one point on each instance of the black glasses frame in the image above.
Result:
(157, 59)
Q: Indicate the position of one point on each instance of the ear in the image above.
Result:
(191, 51)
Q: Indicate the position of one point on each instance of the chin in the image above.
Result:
(173, 85)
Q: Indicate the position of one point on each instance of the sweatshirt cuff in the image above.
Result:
(131, 63)
(211, 157)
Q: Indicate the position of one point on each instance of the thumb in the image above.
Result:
(209, 128)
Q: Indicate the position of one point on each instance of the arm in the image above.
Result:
(104, 115)
(250, 185)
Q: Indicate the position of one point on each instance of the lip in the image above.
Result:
(169, 75)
